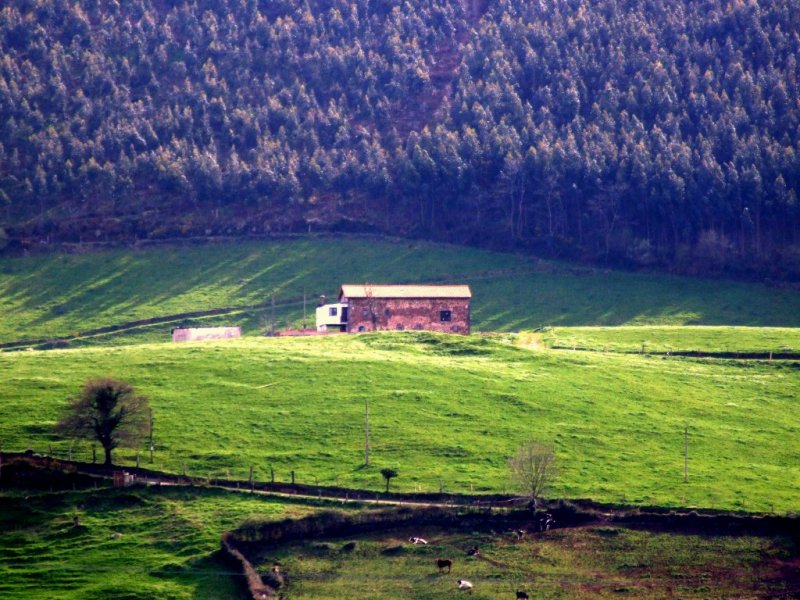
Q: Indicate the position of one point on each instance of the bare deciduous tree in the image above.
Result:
(533, 468)
(108, 411)
(372, 306)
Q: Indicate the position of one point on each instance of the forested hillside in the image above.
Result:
(640, 132)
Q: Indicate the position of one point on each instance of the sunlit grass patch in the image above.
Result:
(446, 411)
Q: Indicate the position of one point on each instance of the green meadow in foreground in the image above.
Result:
(596, 562)
(61, 295)
(137, 544)
(445, 411)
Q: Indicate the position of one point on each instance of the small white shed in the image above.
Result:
(332, 317)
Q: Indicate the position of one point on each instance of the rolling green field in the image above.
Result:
(444, 410)
(596, 562)
(61, 295)
(164, 550)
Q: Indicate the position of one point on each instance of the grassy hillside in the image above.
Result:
(444, 411)
(164, 551)
(61, 295)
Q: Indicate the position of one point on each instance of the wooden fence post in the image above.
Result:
(292, 477)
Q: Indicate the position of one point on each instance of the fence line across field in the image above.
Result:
(295, 485)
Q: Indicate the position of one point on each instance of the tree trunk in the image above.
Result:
(107, 450)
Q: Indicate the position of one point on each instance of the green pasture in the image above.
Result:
(596, 562)
(136, 544)
(445, 411)
(62, 295)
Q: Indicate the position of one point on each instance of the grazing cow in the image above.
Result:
(546, 522)
(417, 540)
(522, 595)
(444, 563)
(463, 584)
(520, 533)
(275, 578)
(473, 551)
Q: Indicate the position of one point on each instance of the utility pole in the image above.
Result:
(152, 447)
(366, 431)
(272, 325)
(304, 308)
(686, 455)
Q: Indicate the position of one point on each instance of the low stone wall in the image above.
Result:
(258, 590)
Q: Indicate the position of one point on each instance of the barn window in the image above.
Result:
(399, 327)
(418, 326)
(365, 313)
(362, 328)
(456, 328)
(387, 313)
(444, 316)
(333, 311)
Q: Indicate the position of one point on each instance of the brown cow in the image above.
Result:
(444, 563)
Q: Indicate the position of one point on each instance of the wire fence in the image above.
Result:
(297, 482)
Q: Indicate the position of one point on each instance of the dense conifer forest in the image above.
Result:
(646, 133)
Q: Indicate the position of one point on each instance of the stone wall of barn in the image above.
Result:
(409, 314)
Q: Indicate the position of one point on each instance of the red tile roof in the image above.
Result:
(404, 291)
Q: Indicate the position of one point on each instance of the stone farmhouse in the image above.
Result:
(367, 307)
